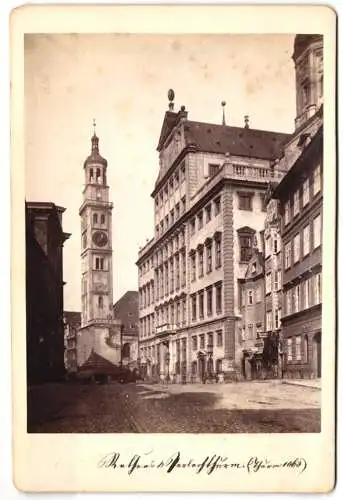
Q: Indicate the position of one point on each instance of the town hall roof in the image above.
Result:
(238, 141)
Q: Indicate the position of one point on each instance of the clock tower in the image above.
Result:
(99, 335)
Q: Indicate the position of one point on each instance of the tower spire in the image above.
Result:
(223, 106)
(95, 139)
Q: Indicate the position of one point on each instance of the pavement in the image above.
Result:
(250, 407)
(246, 395)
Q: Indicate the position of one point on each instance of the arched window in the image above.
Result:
(95, 218)
(100, 302)
(97, 263)
(90, 175)
(102, 219)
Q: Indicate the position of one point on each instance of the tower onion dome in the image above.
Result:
(95, 156)
(301, 42)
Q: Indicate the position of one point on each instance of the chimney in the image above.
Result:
(246, 121)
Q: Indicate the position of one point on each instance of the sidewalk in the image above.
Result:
(311, 383)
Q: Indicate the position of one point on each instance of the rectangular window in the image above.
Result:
(279, 323)
(288, 255)
(218, 247)
(193, 267)
(194, 307)
(210, 340)
(183, 205)
(209, 257)
(296, 297)
(245, 243)
(268, 282)
(183, 283)
(317, 231)
(277, 275)
(296, 248)
(258, 293)
(250, 331)
(201, 262)
(209, 302)
(306, 294)
(316, 180)
(201, 305)
(306, 240)
(298, 347)
(217, 206)
(296, 204)
(317, 292)
(289, 349)
(192, 226)
(200, 220)
(276, 319)
(213, 168)
(219, 338)
(288, 304)
(208, 211)
(202, 341)
(245, 201)
(219, 298)
(287, 212)
(250, 297)
(269, 320)
(306, 192)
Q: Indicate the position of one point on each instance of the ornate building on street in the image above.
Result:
(300, 195)
(209, 214)
(44, 292)
(98, 340)
(126, 311)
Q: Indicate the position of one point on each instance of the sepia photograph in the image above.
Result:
(205, 316)
(176, 193)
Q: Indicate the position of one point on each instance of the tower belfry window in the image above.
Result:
(100, 302)
(98, 176)
(102, 219)
(95, 218)
(90, 175)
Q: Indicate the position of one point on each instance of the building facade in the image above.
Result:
(99, 336)
(72, 323)
(209, 212)
(126, 311)
(44, 292)
(253, 317)
(300, 197)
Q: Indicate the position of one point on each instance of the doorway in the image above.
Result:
(317, 344)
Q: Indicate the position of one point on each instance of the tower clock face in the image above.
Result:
(100, 238)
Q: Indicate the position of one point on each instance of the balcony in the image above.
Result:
(165, 329)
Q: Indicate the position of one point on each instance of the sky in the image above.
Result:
(122, 81)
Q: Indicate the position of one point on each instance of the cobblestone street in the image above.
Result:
(242, 407)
